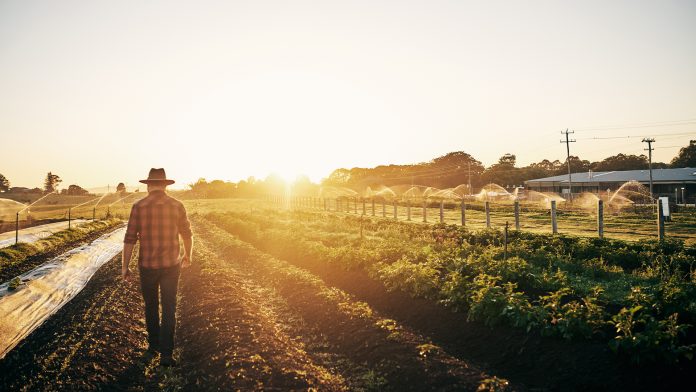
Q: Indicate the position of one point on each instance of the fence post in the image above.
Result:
(355, 205)
(373, 205)
(384, 208)
(442, 212)
(660, 221)
(554, 225)
(363, 203)
(425, 211)
(463, 212)
(408, 210)
(396, 217)
(69, 218)
(17, 228)
(488, 214)
(600, 218)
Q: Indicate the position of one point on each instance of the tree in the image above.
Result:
(75, 190)
(576, 166)
(686, 156)
(339, 177)
(621, 162)
(504, 172)
(507, 160)
(121, 187)
(51, 182)
(4, 183)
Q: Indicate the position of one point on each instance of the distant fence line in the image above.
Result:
(377, 207)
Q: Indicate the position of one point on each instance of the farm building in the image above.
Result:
(666, 182)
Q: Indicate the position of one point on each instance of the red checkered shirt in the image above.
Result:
(157, 221)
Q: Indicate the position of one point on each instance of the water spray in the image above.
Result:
(25, 208)
(94, 210)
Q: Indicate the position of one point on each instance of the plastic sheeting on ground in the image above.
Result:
(47, 288)
(35, 233)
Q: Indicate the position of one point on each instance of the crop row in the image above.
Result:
(637, 296)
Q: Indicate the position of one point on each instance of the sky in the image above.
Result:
(99, 92)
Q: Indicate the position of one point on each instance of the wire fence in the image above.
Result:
(634, 222)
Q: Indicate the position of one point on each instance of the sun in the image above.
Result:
(288, 176)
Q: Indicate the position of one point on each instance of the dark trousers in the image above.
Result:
(154, 282)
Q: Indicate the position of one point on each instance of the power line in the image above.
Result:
(636, 136)
(638, 125)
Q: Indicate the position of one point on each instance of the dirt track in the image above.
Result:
(250, 321)
(246, 321)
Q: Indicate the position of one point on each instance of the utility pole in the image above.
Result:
(650, 148)
(567, 142)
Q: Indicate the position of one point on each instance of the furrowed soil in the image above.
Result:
(251, 320)
(247, 321)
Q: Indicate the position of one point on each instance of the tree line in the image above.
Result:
(459, 167)
(51, 182)
(447, 171)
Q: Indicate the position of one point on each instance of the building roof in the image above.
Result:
(683, 174)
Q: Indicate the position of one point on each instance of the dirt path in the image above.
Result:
(94, 342)
(332, 329)
(247, 321)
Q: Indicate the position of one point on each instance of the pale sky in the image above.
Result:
(100, 91)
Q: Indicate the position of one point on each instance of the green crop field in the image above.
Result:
(292, 296)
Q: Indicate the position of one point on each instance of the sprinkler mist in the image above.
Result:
(94, 210)
(26, 208)
(79, 205)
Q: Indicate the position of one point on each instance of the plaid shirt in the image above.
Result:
(157, 220)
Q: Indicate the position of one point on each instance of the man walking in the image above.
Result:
(157, 221)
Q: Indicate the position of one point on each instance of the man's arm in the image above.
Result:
(129, 241)
(188, 249)
(125, 259)
(185, 231)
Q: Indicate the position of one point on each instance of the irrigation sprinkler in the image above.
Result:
(488, 214)
(69, 218)
(373, 205)
(442, 212)
(355, 205)
(425, 211)
(384, 209)
(396, 217)
(363, 206)
(554, 225)
(408, 210)
(94, 212)
(17, 228)
(600, 218)
(517, 215)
